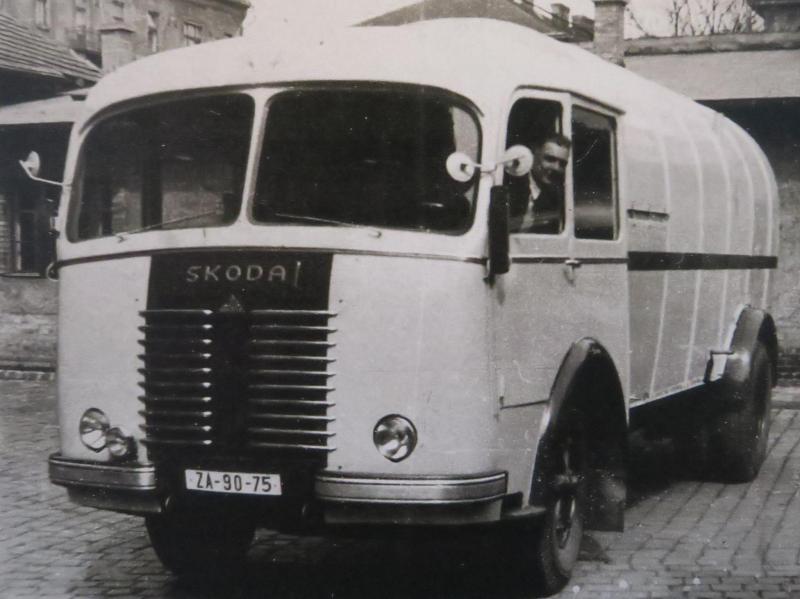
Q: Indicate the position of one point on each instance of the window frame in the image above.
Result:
(584, 104)
(38, 208)
(41, 14)
(153, 40)
(190, 40)
(457, 100)
(72, 214)
(565, 100)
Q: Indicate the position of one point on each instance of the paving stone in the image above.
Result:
(684, 538)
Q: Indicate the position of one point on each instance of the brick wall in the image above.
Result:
(28, 310)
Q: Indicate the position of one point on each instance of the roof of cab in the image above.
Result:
(481, 59)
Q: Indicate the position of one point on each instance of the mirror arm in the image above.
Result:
(39, 179)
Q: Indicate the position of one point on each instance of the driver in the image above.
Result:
(537, 199)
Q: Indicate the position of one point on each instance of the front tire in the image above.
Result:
(549, 548)
(202, 544)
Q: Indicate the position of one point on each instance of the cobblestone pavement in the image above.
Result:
(683, 538)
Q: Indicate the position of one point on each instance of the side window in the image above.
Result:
(594, 175)
(537, 199)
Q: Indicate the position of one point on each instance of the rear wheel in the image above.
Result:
(739, 437)
(205, 544)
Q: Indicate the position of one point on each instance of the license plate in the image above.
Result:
(242, 483)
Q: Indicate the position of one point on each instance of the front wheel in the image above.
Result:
(549, 548)
(200, 543)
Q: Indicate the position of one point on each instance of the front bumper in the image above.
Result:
(410, 490)
(78, 473)
(352, 499)
(122, 488)
(346, 498)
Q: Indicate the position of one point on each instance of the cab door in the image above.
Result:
(563, 285)
(570, 284)
(598, 266)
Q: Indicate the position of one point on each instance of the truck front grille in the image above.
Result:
(239, 382)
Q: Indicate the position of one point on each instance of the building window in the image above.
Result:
(42, 14)
(32, 246)
(80, 16)
(152, 31)
(192, 34)
(118, 10)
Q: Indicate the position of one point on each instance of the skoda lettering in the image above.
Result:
(250, 273)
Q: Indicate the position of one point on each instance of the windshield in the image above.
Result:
(372, 158)
(175, 165)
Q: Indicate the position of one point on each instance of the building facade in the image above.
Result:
(145, 26)
(50, 52)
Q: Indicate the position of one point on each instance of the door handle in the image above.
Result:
(570, 264)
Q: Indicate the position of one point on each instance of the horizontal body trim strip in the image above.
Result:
(696, 261)
(437, 490)
(79, 473)
(635, 260)
(563, 259)
(145, 253)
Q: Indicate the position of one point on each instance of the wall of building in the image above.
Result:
(217, 18)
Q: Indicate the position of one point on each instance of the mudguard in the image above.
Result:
(588, 366)
(754, 326)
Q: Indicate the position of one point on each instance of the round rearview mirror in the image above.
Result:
(32, 164)
(460, 167)
(517, 161)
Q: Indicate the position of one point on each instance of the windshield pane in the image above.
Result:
(176, 165)
(365, 158)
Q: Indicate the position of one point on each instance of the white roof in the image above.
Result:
(481, 59)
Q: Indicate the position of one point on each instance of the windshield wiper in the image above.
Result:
(325, 221)
(121, 236)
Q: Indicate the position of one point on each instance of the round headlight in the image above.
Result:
(119, 443)
(93, 428)
(395, 437)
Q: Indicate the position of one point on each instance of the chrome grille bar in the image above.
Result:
(195, 361)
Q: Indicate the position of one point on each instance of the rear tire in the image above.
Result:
(739, 437)
(205, 544)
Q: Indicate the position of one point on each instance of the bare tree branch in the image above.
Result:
(703, 17)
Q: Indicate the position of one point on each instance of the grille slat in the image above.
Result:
(291, 402)
(291, 446)
(252, 379)
(288, 431)
(165, 413)
(288, 387)
(298, 417)
(175, 398)
(186, 428)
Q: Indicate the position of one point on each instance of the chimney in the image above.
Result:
(779, 15)
(560, 13)
(583, 27)
(116, 46)
(609, 30)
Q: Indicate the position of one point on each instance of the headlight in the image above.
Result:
(395, 437)
(93, 428)
(120, 444)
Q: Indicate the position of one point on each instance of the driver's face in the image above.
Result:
(550, 163)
